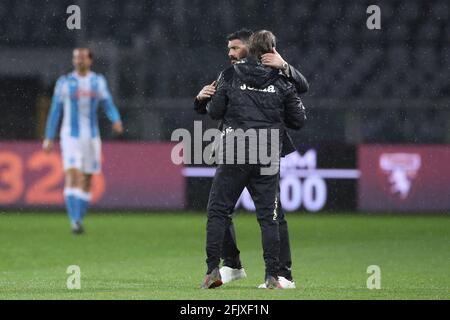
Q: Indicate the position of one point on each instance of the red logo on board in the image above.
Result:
(401, 170)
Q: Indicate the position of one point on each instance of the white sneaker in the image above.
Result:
(229, 274)
(285, 284)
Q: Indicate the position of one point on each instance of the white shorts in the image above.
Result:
(81, 154)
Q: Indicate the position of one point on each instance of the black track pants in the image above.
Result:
(228, 184)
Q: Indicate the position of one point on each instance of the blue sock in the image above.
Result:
(71, 204)
(83, 199)
(84, 204)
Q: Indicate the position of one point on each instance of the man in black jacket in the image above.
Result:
(250, 97)
(232, 267)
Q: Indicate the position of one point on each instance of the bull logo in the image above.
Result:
(401, 168)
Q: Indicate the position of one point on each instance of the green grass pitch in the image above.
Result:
(161, 256)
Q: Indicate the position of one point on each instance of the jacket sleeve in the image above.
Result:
(217, 106)
(288, 145)
(294, 111)
(200, 106)
(301, 85)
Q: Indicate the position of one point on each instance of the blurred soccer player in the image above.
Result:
(77, 97)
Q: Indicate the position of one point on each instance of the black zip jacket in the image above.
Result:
(295, 77)
(301, 85)
(252, 96)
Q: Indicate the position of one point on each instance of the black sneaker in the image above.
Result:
(77, 228)
(273, 283)
(212, 280)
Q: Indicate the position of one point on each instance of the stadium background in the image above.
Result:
(386, 86)
(372, 93)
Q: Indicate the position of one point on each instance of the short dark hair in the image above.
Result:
(243, 35)
(261, 42)
(90, 54)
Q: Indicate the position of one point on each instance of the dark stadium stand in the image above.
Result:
(374, 62)
(182, 46)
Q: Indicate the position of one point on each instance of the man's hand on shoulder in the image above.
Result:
(207, 92)
(275, 60)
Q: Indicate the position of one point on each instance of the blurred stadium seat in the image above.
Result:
(173, 48)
